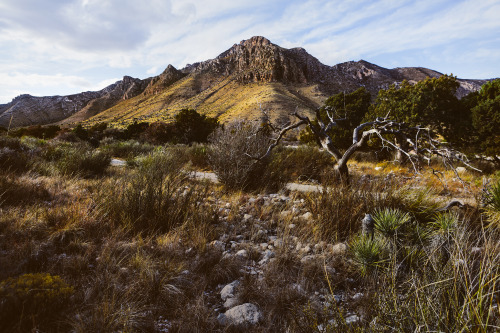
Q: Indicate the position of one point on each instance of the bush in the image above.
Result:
(368, 253)
(82, 160)
(492, 204)
(125, 149)
(12, 161)
(154, 198)
(232, 158)
(13, 192)
(302, 163)
(31, 300)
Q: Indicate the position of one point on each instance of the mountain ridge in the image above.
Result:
(235, 84)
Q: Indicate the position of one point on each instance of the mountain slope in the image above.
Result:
(250, 75)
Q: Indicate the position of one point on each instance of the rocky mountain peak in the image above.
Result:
(258, 60)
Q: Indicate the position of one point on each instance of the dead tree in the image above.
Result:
(416, 144)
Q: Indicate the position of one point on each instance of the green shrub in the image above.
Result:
(368, 253)
(14, 192)
(82, 161)
(388, 221)
(12, 160)
(125, 149)
(492, 204)
(31, 300)
(154, 197)
(302, 163)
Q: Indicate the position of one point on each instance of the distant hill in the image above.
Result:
(252, 74)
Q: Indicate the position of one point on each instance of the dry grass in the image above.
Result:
(135, 245)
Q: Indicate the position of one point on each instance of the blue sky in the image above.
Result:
(58, 47)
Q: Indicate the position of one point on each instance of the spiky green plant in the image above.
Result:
(368, 253)
(444, 223)
(388, 221)
(492, 204)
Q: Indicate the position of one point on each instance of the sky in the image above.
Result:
(60, 47)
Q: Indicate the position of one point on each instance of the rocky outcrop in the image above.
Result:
(161, 82)
(257, 59)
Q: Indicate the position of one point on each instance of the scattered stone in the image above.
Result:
(247, 217)
(231, 302)
(242, 254)
(338, 249)
(278, 243)
(308, 259)
(229, 290)
(378, 168)
(352, 319)
(357, 296)
(291, 226)
(306, 249)
(218, 245)
(242, 315)
(307, 216)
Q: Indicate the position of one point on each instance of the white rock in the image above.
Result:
(291, 226)
(308, 259)
(218, 245)
(247, 217)
(263, 246)
(307, 216)
(278, 243)
(231, 302)
(241, 315)
(229, 290)
(285, 213)
(242, 254)
(378, 168)
(357, 296)
(339, 248)
(351, 319)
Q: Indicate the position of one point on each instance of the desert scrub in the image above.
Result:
(491, 201)
(157, 196)
(13, 155)
(32, 300)
(18, 191)
(232, 156)
(369, 254)
(83, 161)
(302, 163)
(389, 221)
(125, 149)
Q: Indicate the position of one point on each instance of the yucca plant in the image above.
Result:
(368, 253)
(388, 221)
(445, 223)
(492, 204)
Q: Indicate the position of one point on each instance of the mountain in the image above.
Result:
(250, 75)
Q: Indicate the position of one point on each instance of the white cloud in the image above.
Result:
(93, 40)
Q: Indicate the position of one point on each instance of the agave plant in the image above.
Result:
(388, 221)
(368, 253)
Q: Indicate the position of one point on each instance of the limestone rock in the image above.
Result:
(242, 315)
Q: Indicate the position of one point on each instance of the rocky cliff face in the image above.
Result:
(306, 79)
(258, 60)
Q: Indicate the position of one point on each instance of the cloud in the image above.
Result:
(99, 39)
